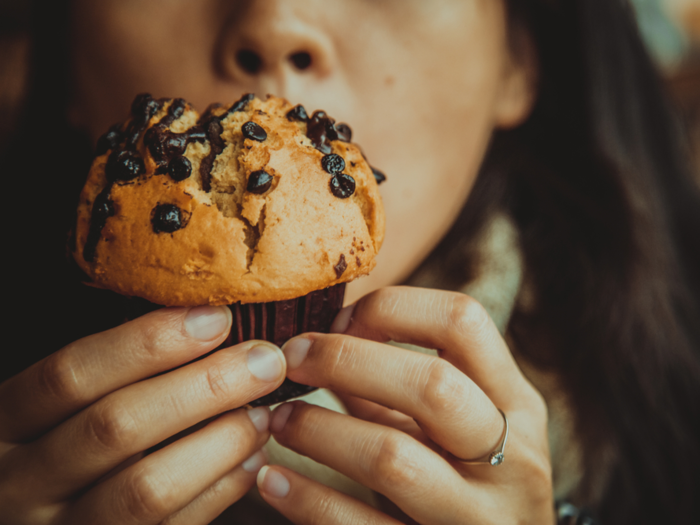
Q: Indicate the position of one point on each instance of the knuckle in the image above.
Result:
(58, 378)
(147, 498)
(242, 435)
(150, 337)
(381, 296)
(325, 509)
(539, 478)
(216, 384)
(112, 426)
(382, 302)
(445, 389)
(394, 464)
(467, 317)
(539, 408)
(336, 357)
(10, 493)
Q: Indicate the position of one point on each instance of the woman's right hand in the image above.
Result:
(74, 426)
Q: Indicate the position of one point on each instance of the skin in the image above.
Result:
(424, 85)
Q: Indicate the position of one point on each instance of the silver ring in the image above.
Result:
(496, 457)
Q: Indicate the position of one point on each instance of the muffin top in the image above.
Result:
(251, 202)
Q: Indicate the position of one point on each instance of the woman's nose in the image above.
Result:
(273, 44)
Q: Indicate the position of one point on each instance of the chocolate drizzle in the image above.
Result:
(378, 175)
(216, 146)
(321, 131)
(213, 128)
(344, 132)
(109, 140)
(124, 164)
(142, 109)
(102, 209)
(175, 111)
(239, 105)
(164, 145)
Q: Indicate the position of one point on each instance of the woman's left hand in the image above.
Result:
(415, 415)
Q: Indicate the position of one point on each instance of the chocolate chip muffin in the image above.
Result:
(255, 205)
(252, 202)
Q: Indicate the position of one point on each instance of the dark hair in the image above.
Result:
(609, 219)
(599, 186)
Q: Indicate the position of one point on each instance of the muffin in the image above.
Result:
(255, 205)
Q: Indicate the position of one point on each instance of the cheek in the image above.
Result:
(429, 126)
(124, 47)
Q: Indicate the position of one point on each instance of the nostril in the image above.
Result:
(249, 61)
(301, 60)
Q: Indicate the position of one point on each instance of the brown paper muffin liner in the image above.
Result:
(276, 322)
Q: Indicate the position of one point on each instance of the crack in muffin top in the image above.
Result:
(249, 202)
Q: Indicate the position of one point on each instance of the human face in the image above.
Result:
(423, 85)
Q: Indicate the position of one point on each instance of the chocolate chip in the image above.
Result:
(179, 168)
(333, 163)
(341, 266)
(297, 113)
(259, 182)
(342, 185)
(109, 140)
(378, 175)
(166, 218)
(344, 132)
(124, 166)
(253, 131)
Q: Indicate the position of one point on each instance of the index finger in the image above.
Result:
(79, 374)
(452, 323)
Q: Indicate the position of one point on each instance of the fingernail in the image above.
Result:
(280, 417)
(273, 482)
(265, 363)
(342, 320)
(295, 351)
(254, 462)
(260, 417)
(207, 322)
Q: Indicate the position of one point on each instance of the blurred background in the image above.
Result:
(671, 29)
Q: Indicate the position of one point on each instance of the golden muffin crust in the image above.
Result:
(184, 210)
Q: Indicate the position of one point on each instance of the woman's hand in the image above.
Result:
(415, 415)
(74, 427)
